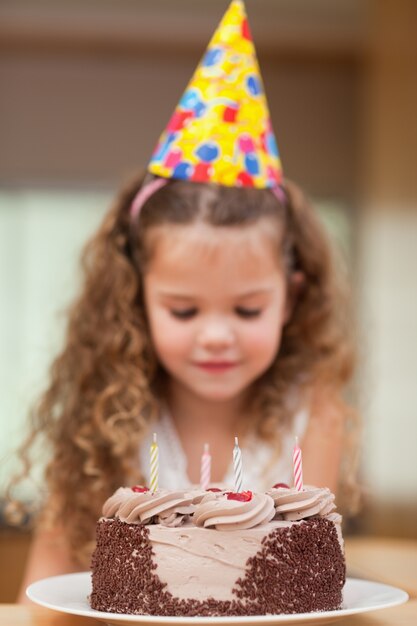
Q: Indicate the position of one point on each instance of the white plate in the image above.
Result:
(69, 594)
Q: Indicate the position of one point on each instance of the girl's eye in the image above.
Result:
(247, 313)
(184, 314)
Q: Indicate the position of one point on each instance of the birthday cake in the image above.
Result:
(204, 552)
(218, 553)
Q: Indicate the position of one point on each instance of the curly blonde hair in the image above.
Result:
(105, 386)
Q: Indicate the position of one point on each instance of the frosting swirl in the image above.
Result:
(217, 511)
(293, 505)
(168, 508)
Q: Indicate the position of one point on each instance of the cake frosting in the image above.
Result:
(141, 507)
(214, 553)
(294, 505)
(222, 513)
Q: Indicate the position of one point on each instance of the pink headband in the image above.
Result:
(279, 193)
(148, 190)
(144, 193)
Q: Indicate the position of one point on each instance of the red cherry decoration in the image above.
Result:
(281, 486)
(242, 496)
(214, 489)
(139, 489)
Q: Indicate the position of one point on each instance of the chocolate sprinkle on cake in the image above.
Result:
(300, 568)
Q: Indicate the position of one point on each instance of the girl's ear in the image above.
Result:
(296, 284)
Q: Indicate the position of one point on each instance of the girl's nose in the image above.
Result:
(216, 334)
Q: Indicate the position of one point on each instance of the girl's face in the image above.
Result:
(216, 299)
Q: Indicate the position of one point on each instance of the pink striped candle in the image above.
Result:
(205, 467)
(298, 467)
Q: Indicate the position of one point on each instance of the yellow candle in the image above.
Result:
(154, 464)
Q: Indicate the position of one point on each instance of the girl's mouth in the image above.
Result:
(216, 366)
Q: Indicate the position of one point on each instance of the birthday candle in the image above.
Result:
(298, 467)
(154, 464)
(205, 467)
(237, 465)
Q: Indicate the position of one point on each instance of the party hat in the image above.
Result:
(221, 130)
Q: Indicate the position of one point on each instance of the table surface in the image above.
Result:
(391, 561)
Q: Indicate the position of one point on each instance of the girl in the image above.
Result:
(207, 312)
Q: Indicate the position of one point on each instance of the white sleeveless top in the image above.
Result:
(259, 474)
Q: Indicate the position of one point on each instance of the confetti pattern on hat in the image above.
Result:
(221, 130)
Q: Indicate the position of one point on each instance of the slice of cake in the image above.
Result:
(218, 553)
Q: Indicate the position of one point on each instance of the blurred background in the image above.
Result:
(86, 87)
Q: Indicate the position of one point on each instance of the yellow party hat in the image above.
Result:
(221, 130)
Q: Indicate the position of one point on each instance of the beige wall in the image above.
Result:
(387, 249)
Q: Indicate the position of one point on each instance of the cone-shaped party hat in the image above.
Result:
(221, 130)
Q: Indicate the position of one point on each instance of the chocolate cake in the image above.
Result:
(218, 553)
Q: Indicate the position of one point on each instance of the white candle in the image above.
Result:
(237, 465)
